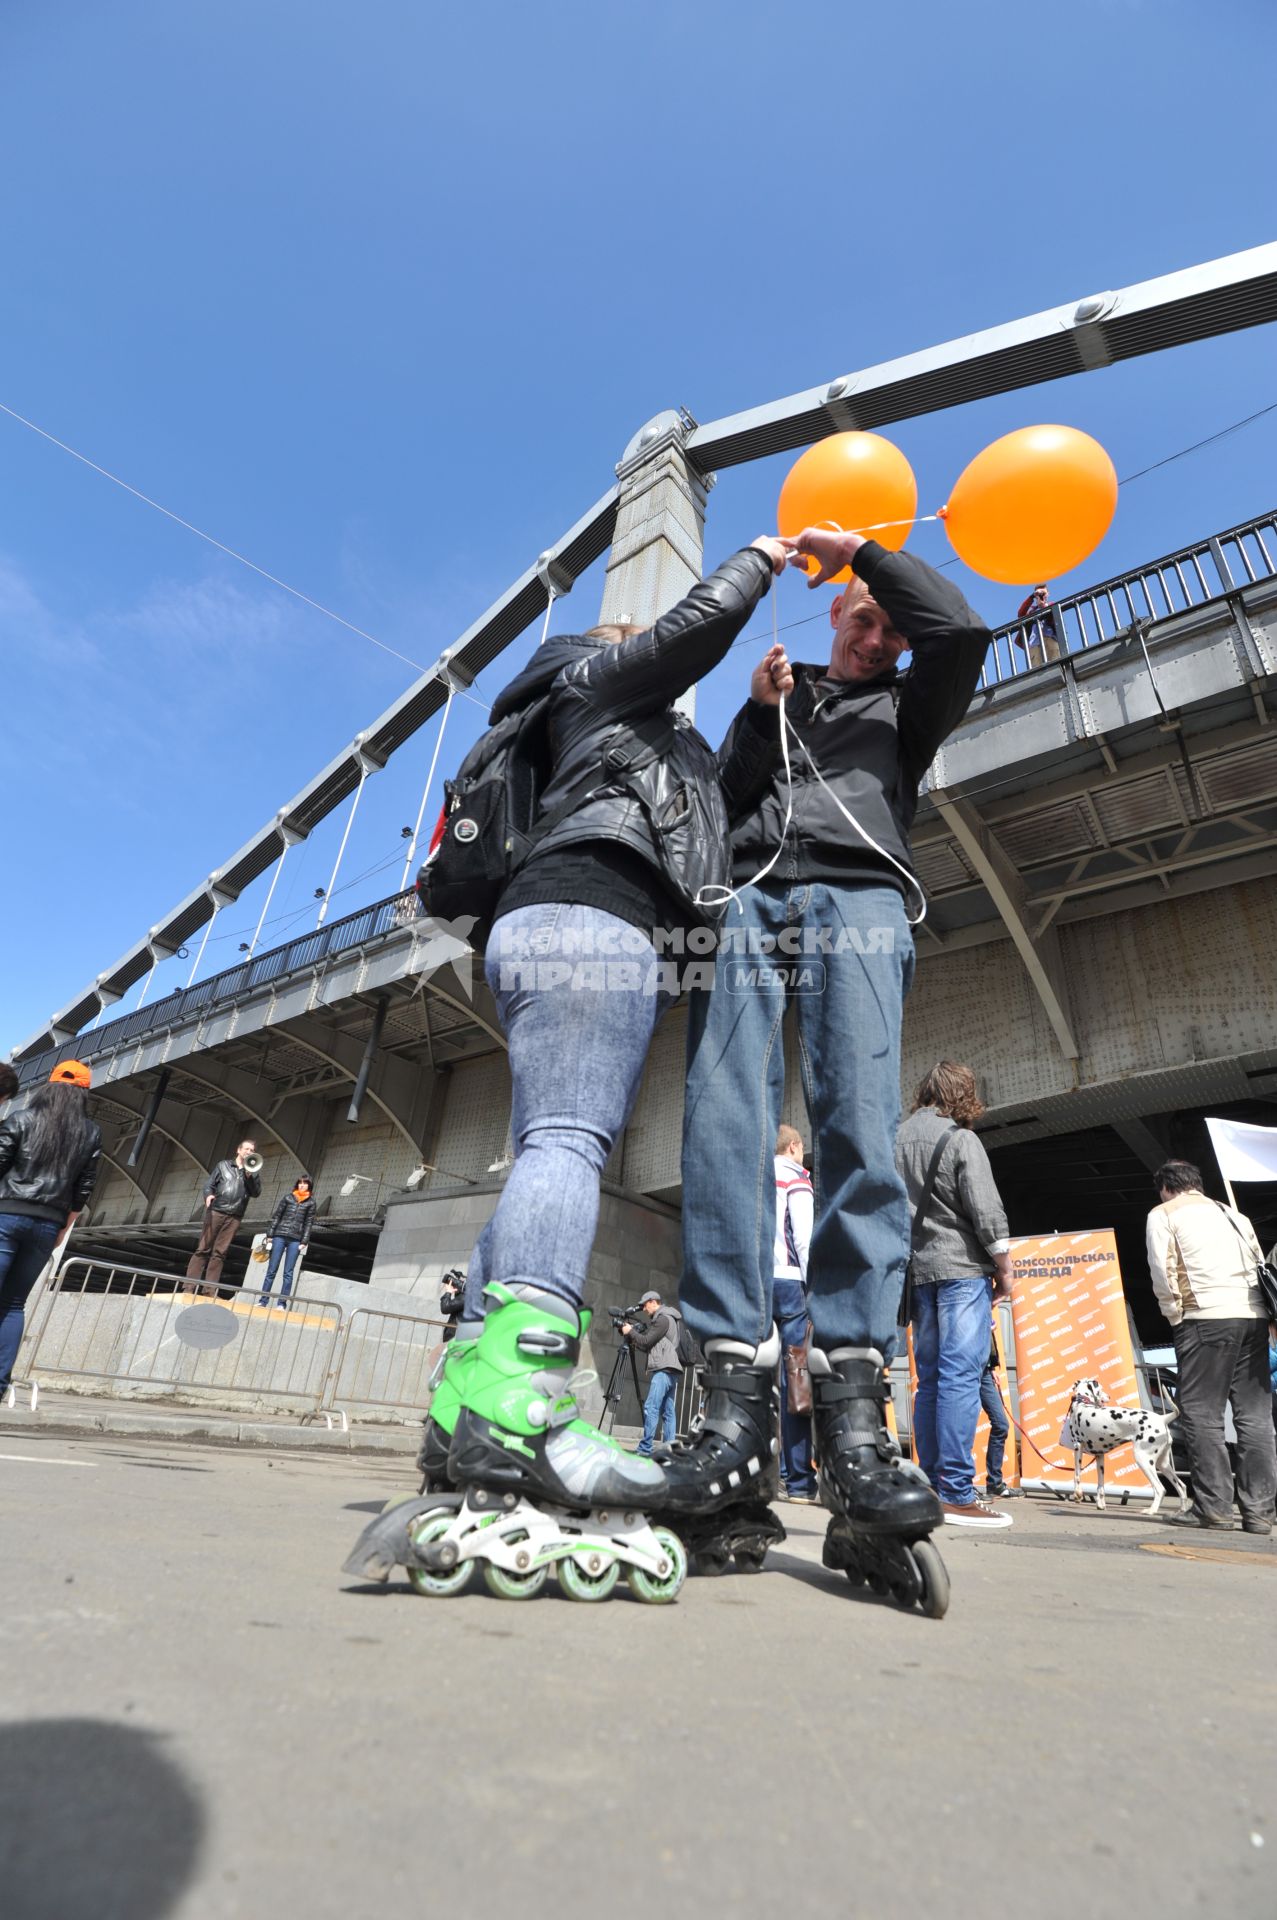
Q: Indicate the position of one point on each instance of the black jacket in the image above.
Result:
(231, 1188)
(291, 1218)
(873, 740)
(36, 1187)
(617, 701)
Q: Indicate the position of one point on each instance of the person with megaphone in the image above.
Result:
(227, 1192)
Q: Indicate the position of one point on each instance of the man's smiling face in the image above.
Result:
(865, 642)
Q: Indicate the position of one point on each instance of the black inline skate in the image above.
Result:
(883, 1507)
(719, 1482)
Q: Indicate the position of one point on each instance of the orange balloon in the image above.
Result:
(1031, 506)
(850, 481)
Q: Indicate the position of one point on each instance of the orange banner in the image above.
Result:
(1070, 1324)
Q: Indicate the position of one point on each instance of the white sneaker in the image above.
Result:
(984, 1519)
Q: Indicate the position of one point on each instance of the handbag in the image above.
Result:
(798, 1375)
(1265, 1272)
(905, 1312)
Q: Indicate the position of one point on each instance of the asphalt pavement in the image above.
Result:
(202, 1717)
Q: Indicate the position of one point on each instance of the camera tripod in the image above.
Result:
(616, 1385)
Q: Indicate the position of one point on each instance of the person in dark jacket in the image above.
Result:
(826, 887)
(657, 1338)
(995, 1487)
(574, 969)
(227, 1192)
(290, 1226)
(49, 1156)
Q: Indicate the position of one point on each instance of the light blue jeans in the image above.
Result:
(951, 1323)
(845, 956)
(659, 1405)
(578, 997)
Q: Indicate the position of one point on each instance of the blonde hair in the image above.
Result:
(788, 1137)
(614, 630)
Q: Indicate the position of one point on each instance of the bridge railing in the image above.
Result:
(1192, 577)
(307, 950)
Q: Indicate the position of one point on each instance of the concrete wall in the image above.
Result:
(1178, 984)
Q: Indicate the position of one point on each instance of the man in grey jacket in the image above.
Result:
(961, 1265)
(658, 1339)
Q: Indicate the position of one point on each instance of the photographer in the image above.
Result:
(452, 1300)
(658, 1339)
(227, 1192)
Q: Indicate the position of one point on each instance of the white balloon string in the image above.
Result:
(726, 894)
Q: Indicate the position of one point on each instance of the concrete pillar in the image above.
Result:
(658, 549)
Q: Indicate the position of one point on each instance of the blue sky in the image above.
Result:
(378, 294)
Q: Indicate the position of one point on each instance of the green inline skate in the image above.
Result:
(538, 1487)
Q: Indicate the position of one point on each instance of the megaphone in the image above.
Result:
(254, 1163)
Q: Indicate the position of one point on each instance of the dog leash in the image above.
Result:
(1067, 1467)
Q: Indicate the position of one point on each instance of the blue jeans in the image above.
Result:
(578, 997)
(661, 1387)
(849, 1014)
(999, 1426)
(790, 1304)
(25, 1246)
(287, 1251)
(950, 1347)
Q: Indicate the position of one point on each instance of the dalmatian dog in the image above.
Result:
(1094, 1426)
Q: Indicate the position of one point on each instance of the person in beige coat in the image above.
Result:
(1202, 1256)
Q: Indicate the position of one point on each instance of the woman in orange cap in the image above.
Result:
(49, 1154)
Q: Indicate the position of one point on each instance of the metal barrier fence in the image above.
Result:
(103, 1320)
(384, 1360)
(1208, 570)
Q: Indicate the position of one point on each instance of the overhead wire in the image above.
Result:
(231, 552)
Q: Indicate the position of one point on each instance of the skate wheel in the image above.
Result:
(659, 1590)
(514, 1586)
(879, 1583)
(749, 1559)
(856, 1575)
(935, 1580)
(711, 1561)
(580, 1585)
(400, 1500)
(441, 1586)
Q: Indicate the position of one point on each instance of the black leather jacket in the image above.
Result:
(613, 704)
(32, 1186)
(873, 740)
(291, 1218)
(231, 1188)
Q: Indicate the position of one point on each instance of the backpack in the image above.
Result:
(686, 1343)
(492, 819)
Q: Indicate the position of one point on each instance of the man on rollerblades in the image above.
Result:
(575, 974)
(827, 925)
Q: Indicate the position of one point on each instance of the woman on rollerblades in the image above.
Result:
(579, 988)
